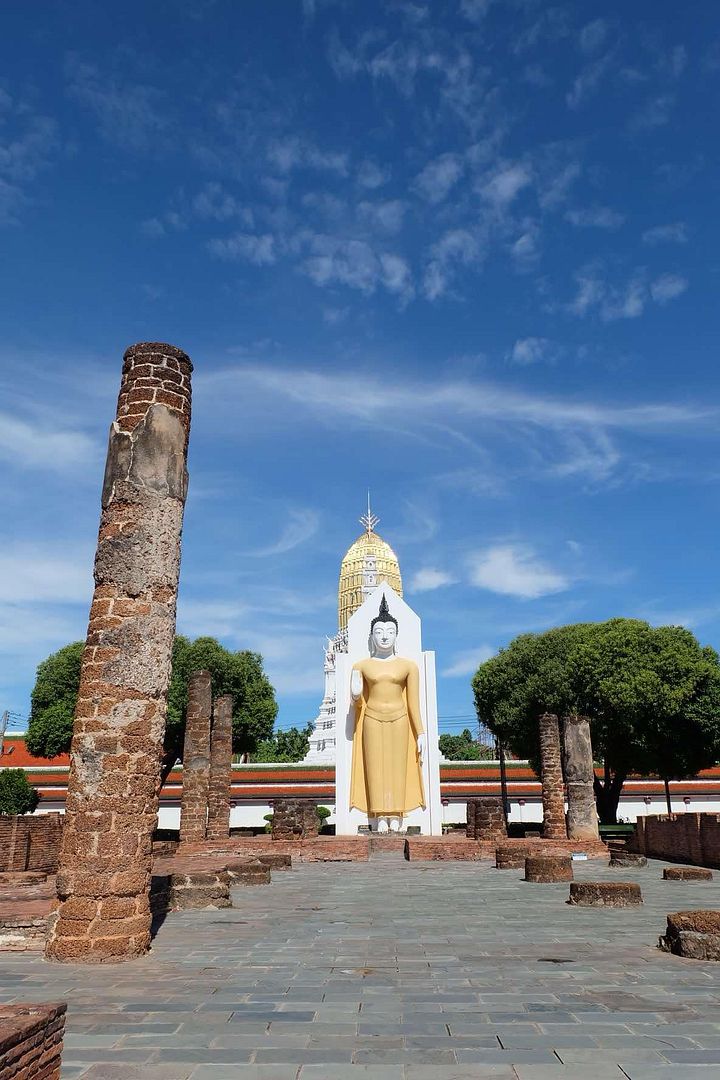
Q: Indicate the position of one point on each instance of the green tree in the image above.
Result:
(284, 746)
(463, 747)
(238, 673)
(17, 795)
(52, 703)
(652, 695)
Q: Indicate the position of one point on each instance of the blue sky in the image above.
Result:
(462, 253)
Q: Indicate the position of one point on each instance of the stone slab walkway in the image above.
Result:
(397, 971)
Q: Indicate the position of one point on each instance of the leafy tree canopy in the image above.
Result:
(652, 695)
(284, 746)
(238, 673)
(17, 795)
(463, 747)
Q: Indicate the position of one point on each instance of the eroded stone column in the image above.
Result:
(196, 759)
(103, 880)
(553, 795)
(582, 819)
(218, 820)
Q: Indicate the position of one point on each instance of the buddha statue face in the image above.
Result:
(383, 637)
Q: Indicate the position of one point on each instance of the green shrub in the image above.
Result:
(269, 819)
(17, 796)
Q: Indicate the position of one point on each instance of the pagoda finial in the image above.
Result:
(369, 520)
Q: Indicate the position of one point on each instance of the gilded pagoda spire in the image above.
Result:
(369, 561)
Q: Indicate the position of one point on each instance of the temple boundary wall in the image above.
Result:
(687, 838)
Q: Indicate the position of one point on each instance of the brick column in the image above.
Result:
(196, 759)
(103, 880)
(552, 778)
(218, 822)
(582, 819)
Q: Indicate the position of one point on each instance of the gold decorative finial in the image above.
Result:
(369, 520)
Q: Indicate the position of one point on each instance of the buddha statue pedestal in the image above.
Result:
(387, 771)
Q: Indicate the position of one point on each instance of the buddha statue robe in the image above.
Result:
(386, 775)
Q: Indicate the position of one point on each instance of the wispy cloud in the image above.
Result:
(302, 526)
(40, 573)
(515, 570)
(131, 114)
(258, 250)
(41, 444)
(598, 217)
(675, 233)
(530, 350)
(667, 287)
(427, 579)
(467, 662)
(438, 178)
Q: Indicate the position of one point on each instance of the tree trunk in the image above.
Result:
(668, 800)
(167, 766)
(607, 793)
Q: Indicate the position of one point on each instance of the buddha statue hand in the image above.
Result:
(421, 747)
(356, 685)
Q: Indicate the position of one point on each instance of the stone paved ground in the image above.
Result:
(397, 971)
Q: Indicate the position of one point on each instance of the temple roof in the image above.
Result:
(369, 561)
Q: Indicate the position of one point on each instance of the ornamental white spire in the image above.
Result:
(369, 520)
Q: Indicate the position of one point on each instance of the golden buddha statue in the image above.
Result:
(388, 741)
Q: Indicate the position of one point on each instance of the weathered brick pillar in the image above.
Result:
(196, 759)
(582, 819)
(553, 795)
(111, 808)
(218, 821)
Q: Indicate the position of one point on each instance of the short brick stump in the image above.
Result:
(548, 868)
(605, 894)
(247, 873)
(183, 892)
(22, 932)
(693, 934)
(687, 873)
(626, 859)
(274, 860)
(31, 1038)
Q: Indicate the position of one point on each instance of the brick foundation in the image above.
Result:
(626, 858)
(548, 868)
(553, 791)
(294, 819)
(31, 1040)
(30, 842)
(687, 873)
(196, 759)
(693, 934)
(459, 848)
(218, 820)
(103, 879)
(605, 894)
(312, 849)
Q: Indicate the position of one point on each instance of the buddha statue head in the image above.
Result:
(383, 632)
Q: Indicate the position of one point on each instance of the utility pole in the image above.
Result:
(4, 720)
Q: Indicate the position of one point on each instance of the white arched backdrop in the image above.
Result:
(409, 644)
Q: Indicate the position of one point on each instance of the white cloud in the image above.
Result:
(514, 570)
(292, 152)
(593, 35)
(372, 176)
(438, 177)
(386, 216)
(475, 10)
(303, 525)
(675, 233)
(428, 579)
(505, 184)
(259, 250)
(599, 217)
(588, 81)
(530, 350)
(653, 114)
(667, 287)
(40, 573)
(467, 663)
(354, 263)
(37, 445)
(456, 247)
(132, 115)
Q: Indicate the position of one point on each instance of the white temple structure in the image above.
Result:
(368, 562)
